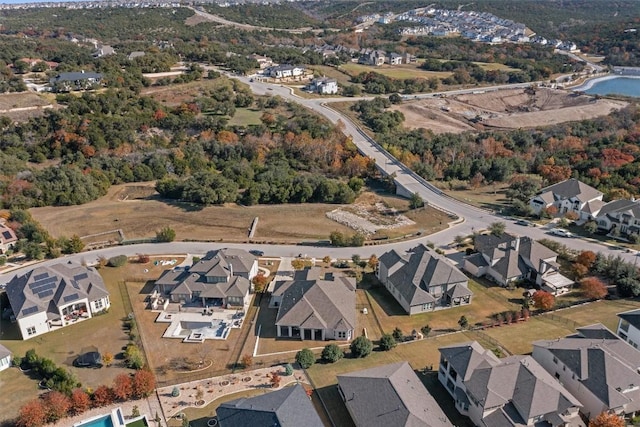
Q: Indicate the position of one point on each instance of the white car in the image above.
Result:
(561, 232)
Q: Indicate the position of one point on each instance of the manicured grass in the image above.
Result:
(517, 338)
(603, 311)
(245, 117)
(488, 196)
(334, 73)
(408, 71)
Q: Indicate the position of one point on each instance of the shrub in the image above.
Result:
(165, 235)
(117, 261)
(133, 357)
(305, 358)
(288, 370)
(246, 361)
(398, 335)
(426, 330)
(361, 347)
(332, 353)
(387, 342)
(463, 322)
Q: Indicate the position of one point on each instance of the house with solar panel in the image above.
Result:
(8, 238)
(52, 297)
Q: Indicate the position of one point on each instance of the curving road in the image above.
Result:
(471, 218)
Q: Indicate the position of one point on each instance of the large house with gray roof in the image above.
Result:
(620, 216)
(81, 80)
(52, 297)
(509, 392)
(506, 258)
(288, 407)
(315, 305)
(422, 280)
(597, 367)
(629, 327)
(222, 278)
(390, 395)
(569, 196)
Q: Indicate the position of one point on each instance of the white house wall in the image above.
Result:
(5, 363)
(38, 320)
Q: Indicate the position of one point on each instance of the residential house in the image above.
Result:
(513, 391)
(66, 82)
(222, 278)
(324, 86)
(394, 58)
(620, 216)
(569, 196)
(597, 367)
(8, 238)
(315, 305)
(506, 258)
(263, 61)
(5, 358)
(103, 50)
(389, 395)
(287, 407)
(629, 327)
(422, 280)
(48, 298)
(373, 57)
(285, 71)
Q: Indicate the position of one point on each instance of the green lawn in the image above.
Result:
(409, 71)
(245, 117)
(331, 72)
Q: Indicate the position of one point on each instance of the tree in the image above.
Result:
(143, 258)
(327, 260)
(144, 382)
(80, 401)
(426, 330)
(416, 201)
(74, 245)
(387, 342)
(117, 261)
(107, 359)
(122, 387)
(260, 282)
(543, 300)
(591, 227)
(586, 258)
(57, 405)
(606, 419)
(361, 347)
(332, 353)
(593, 288)
(165, 235)
(398, 335)
(246, 361)
(356, 259)
(463, 322)
(305, 358)
(373, 262)
(497, 228)
(297, 264)
(275, 379)
(459, 240)
(32, 414)
(336, 238)
(102, 396)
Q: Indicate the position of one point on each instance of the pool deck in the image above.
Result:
(215, 316)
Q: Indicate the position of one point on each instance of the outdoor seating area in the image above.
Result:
(198, 326)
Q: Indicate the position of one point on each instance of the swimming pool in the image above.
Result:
(98, 422)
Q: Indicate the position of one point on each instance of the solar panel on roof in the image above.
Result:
(40, 276)
(71, 297)
(43, 288)
(7, 235)
(45, 294)
(81, 276)
(30, 310)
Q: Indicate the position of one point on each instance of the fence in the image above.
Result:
(490, 340)
(570, 323)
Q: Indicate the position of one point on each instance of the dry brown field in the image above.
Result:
(139, 213)
(504, 109)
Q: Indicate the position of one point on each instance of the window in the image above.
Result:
(99, 304)
(342, 335)
(31, 330)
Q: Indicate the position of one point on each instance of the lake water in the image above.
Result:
(628, 86)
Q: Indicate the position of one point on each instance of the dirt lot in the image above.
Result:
(136, 210)
(505, 109)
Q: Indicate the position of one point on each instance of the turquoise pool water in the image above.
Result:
(100, 422)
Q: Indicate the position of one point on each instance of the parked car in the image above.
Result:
(524, 222)
(92, 359)
(256, 252)
(561, 232)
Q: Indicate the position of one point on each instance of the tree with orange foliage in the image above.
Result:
(605, 419)
(80, 401)
(122, 387)
(593, 288)
(260, 282)
(57, 405)
(543, 300)
(144, 382)
(32, 414)
(274, 378)
(579, 270)
(586, 258)
(102, 396)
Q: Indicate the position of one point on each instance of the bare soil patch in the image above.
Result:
(504, 109)
(139, 213)
(21, 100)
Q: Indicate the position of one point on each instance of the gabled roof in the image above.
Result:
(466, 357)
(521, 381)
(631, 316)
(288, 407)
(4, 352)
(390, 395)
(418, 271)
(318, 304)
(225, 262)
(45, 288)
(572, 188)
(607, 367)
(7, 235)
(73, 76)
